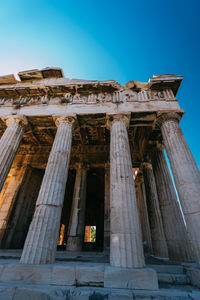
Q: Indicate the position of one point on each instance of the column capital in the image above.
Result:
(19, 120)
(81, 166)
(163, 117)
(146, 165)
(121, 117)
(159, 146)
(70, 119)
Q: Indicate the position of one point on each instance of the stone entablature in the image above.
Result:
(88, 98)
(35, 88)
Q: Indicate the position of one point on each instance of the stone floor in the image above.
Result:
(83, 271)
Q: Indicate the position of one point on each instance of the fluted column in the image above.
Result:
(126, 248)
(155, 219)
(179, 248)
(77, 218)
(9, 144)
(41, 241)
(107, 208)
(186, 175)
(144, 219)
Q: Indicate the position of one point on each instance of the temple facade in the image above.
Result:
(83, 168)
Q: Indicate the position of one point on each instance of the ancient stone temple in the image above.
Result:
(87, 195)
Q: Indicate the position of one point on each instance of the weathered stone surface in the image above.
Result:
(42, 238)
(194, 275)
(126, 240)
(179, 247)
(157, 232)
(92, 275)
(131, 278)
(39, 98)
(9, 144)
(186, 176)
(143, 213)
(62, 275)
(43, 292)
(26, 274)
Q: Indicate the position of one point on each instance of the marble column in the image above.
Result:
(126, 249)
(179, 248)
(157, 232)
(144, 219)
(41, 241)
(9, 144)
(107, 208)
(186, 175)
(77, 219)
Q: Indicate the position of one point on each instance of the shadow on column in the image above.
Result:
(23, 209)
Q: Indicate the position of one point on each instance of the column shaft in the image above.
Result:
(126, 248)
(107, 208)
(77, 218)
(186, 176)
(155, 219)
(9, 144)
(41, 241)
(177, 239)
(144, 219)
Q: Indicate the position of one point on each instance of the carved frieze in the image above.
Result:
(119, 96)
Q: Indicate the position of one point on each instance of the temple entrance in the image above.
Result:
(94, 215)
(22, 212)
(64, 224)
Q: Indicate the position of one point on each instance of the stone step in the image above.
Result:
(41, 292)
(178, 279)
(172, 269)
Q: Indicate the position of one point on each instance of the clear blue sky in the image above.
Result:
(120, 40)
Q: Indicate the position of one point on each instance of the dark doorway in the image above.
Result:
(94, 216)
(62, 241)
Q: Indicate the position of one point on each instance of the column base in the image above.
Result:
(130, 278)
(74, 243)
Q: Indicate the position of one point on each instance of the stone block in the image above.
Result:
(7, 292)
(120, 295)
(130, 278)
(172, 269)
(63, 275)
(90, 275)
(173, 278)
(194, 275)
(26, 273)
(35, 292)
